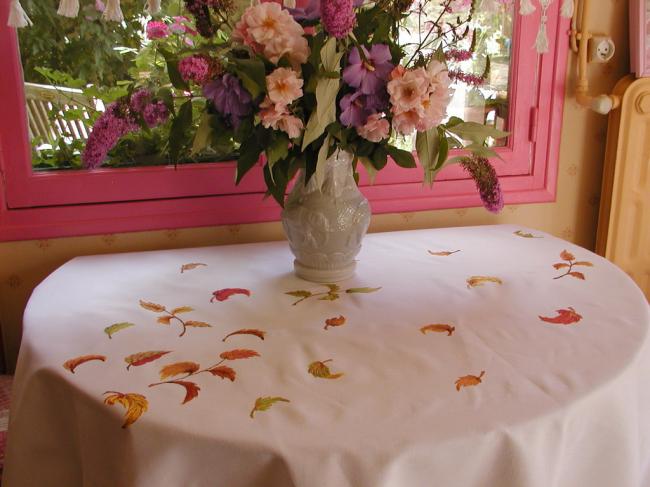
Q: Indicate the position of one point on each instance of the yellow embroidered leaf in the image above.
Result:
(156, 308)
(446, 253)
(179, 368)
(197, 324)
(331, 322)
(438, 328)
(566, 255)
(329, 297)
(191, 266)
(469, 380)
(181, 309)
(142, 358)
(333, 287)
(135, 405)
(363, 290)
(299, 294)
(72, 364)
(475, 281)
(264, 403)
(164, 320)
(111, 330)
(584, 263)
(521, 233)
(322, 371)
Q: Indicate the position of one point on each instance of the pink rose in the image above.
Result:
(375, 129)
(284, 86)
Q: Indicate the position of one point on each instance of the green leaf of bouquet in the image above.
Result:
(203, 134)
(476, 132)
(379, 157)
(444, 150)
(249, 154)
(427, 145)
(482, 151)
(370, 169)
(276, 182)
(252, 75)
(278, 149)
(401, 157)
(180, 125)
(172, 70)
(321, 164)
(165, 95)
(453, 121)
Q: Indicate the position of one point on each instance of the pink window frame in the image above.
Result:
(57, 204)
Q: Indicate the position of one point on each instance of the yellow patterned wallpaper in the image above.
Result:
(573, 217)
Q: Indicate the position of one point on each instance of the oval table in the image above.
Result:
(489, 356)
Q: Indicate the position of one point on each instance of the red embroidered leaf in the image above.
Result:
(191, 389)
(191, 266)
(142, 358)
(156, 308)
(438, 328)
(577, 275)
(564, 317)
(566, 255)
(247, 331)
(560, 266)
(469, 380)
(72, 364)
(178, 368)
(332, 322)
(135, 405)
(239, 353)
(224, 372)
(224, 294)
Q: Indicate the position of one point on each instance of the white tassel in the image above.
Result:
(541, 43)
(526, 7)
(68, 8)
(113, 11)
(567, 9)
(17, 16)
(153, 7)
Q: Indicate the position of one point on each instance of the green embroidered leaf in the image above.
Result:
(329, 297)
(363, 290)
(111, 330)
(299, 294)
(522, 234)
(264, 403)
(333, 287)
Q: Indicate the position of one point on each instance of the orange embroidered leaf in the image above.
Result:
(135, 405)
(264, 403)
(322, 371)
(438, 328)
(566, 255)
(224, 294)
(191, 266)
(142, 358)
(445, 253)
(476, 281)
(239, 353)
(469, 380)
(111, 330)
(247, 331)
(577, 275)
(331, 322)
(224, 372)
(564, 317)
(197, 324)
(362, 290)
(156, 308)
(191, 389)
(560, 266)
(584, 263)
(181, 309)
(164, 320)
(522, 234)
(72, 364)
(179, 368)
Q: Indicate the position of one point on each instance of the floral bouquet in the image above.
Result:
(292, 85)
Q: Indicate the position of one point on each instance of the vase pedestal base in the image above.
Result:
(324, 275)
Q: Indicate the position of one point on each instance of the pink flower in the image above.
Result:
(292, 125)
(376, 128)
(181, 26)
(155, 113)
(157, 30)
(109, 128)
(194, 68)
(271, 31)
(338, 17)
(408, 91)
(406, 122)
(277, 117)
(284, 86)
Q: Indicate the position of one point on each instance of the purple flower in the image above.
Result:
(140, 99)
(338, 17)
(486, 181)
(311, 11)
(112, 125)
(229, 97)
(371, 76)
(155, 113)
(354, 110)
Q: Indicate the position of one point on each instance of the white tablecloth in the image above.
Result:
(533, 373)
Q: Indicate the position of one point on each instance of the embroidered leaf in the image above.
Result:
(179, 368)
(191, 389)
(135, 405)
(329, 297)
(191, 266)
(224, 372)
(469, 380)
(566, 255)
(264, 403)
(560, 266)
(111, 330)
(197, 324)
(224, 294)
(333, 287)
(239, 353)
(438, 328)
(446, 253)
(584, 263)
(181, 309)
(72, 364)
(247, 331)
(476, 281)
(156, 308)
(362, 290)
(300, 294)
(331, 322)
(142, 358)
(164, 320)
(521, 233)
(564, 317)
(577, 275)
(322, 371)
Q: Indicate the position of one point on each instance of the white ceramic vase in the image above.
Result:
(325, 226)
